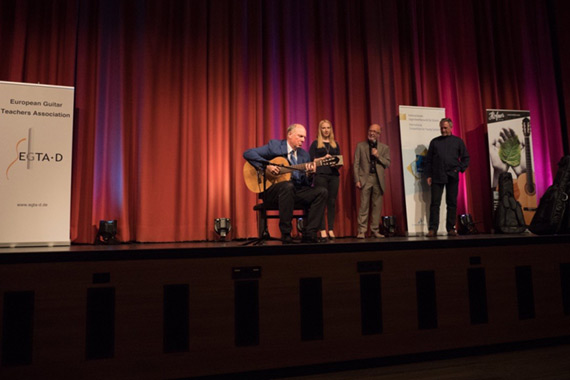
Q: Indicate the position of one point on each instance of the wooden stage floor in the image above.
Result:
(210, 309)
(234, 248)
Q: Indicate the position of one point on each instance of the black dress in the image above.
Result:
(327, 177)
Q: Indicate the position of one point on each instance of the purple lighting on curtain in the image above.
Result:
(170, 93)
(108, 191)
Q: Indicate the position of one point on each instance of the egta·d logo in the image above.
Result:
(23, 153)
(39, 156)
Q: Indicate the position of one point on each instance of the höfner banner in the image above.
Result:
(510, 150)
(36, 133)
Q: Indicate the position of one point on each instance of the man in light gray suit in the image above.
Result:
(370, 160)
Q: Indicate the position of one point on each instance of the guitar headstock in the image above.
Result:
(329, 161)
(526, 126)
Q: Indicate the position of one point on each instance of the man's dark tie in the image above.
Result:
(293, 161)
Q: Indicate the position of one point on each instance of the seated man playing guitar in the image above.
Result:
(297, 191)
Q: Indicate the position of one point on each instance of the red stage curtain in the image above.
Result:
(170, 93)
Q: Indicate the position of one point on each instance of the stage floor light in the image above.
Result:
(107, 233)
(466, 225)
(388, 226)
(222, 226)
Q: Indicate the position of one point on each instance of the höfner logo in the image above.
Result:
(496, 116)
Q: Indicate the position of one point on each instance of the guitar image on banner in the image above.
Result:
(525, 180)
(253, 177)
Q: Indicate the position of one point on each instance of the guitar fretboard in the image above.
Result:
(528, 154)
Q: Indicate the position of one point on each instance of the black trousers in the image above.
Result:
(287, 197)
(451, 189)
(329, 182)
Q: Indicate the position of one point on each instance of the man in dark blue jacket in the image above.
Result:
(296, 192)
(446, 157)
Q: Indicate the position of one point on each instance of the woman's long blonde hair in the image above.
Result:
(320, 143)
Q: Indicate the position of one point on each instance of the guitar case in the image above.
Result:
(553, 212)
(509, 218)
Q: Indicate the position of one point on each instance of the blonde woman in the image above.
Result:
(326, 176)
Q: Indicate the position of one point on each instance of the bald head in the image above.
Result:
(374, 132)
(296, 134)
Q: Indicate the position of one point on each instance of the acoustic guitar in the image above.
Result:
(525, 181)
(253, 176)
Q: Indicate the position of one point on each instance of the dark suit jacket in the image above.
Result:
(277, 148)
(362, 162)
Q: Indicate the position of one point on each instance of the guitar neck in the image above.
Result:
(528, 155)
(297, 167)
(302, 166)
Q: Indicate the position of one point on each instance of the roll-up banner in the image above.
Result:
(418, 126)
(36, 132)
(510, 150)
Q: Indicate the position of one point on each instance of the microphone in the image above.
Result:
(373, 143)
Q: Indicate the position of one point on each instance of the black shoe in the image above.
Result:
(309, 239)
(286, 239)
(321, 239)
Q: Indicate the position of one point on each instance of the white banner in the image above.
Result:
(36, 132)
(418, 126)
(510, 150)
